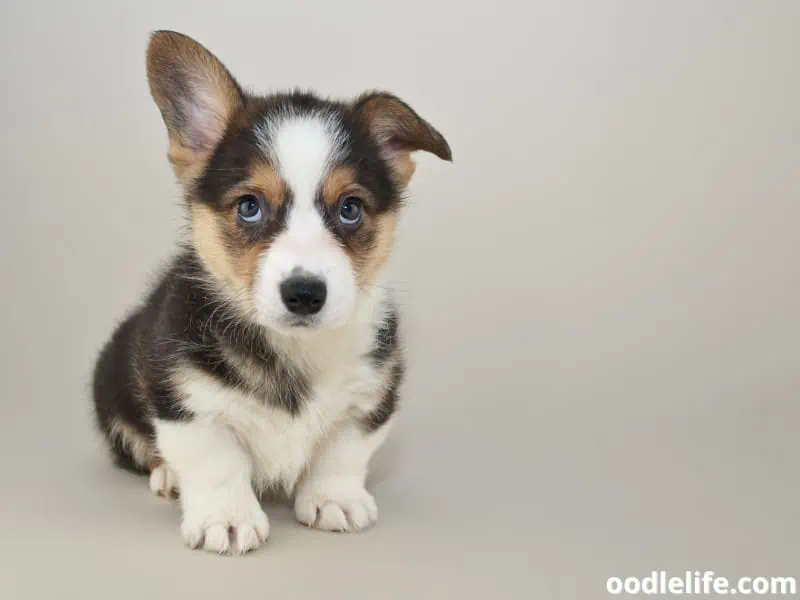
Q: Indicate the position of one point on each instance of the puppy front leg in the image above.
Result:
(331, 495)
(221, 513)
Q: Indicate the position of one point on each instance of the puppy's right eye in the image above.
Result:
(250, 209)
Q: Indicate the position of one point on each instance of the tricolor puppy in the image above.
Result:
(267, 356)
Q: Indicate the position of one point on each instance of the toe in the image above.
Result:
(246, 539)
(357, 515)
(192, 534)
(217, 539)
(261, 526)
(332, 518)
(306, 511)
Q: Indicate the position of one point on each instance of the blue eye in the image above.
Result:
(350, 212)
(250, 209)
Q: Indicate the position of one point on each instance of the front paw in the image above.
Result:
(230, 527)
(335, 504)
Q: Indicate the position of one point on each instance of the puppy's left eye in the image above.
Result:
(250, 209)
(350, 212)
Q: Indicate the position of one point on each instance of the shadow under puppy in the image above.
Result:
(267, 356)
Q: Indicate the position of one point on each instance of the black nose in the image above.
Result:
(303, 295)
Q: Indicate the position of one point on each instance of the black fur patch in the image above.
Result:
(385, 340)
(115, 392)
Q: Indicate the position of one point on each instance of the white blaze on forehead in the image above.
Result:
(302, 149)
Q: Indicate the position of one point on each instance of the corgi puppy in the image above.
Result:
(267, 357)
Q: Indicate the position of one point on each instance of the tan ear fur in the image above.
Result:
(196, 95)
(399, 131)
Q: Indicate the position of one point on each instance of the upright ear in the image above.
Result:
(196, 95)
(399, 131)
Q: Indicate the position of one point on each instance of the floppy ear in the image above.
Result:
(399, 131)
(196, 95)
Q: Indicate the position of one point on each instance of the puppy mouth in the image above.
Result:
(299, 324)
(305, 325)
(288, 323)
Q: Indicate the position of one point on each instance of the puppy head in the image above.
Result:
(293, 198)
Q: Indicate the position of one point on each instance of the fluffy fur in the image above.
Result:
(268, 355)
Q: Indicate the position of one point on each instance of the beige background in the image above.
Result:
(602, 293)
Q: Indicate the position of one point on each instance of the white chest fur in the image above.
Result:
(343, 383)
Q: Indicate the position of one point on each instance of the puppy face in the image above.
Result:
(293, 199)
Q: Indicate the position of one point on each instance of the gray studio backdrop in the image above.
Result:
(601, 293)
